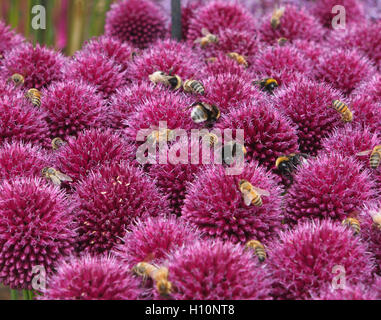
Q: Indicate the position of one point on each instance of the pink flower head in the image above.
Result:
(8, 39)
(71, 107)
(309, 105)
(92, 278)
(188, 12)
(309, 257)
(366, 111)
(109, 199)
(358, 292)
(37, 229)
(330, 186)
(215, 205)
(38, 65)
(139, 22)
(217, 271)
(370, 87)
(311, 49)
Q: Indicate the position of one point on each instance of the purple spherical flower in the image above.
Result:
(71, 107)
(97, 70)
(309, 257)
(92, 278)
(152, 239)
(37, 229)
(139, 22)
(358, 292)
(38, 65)
(19, 159)
(371, 88)
(311, 49)
(109, 199)
(8, 39)
(217, 271)
(91, 149)
(308, 104)
(330, 186)
(294, 24)
(268, 133)
(343, 69)
(215, 204)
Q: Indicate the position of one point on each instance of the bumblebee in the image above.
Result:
(258, 249)
(239, 58)
(17, 79)
(231, 150)
(206, 39)
(172, 81)
(194, 86)
(55, 176)
(287, 164)
(267, 84)
(343, 109)
(375, 156)
(354, 224)
(276, 17)
(57, 143)
(252, 195)
(34, 96)
(203, 112)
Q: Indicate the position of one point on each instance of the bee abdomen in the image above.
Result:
(34, 96)
(261, 254)
(340, 106)
(194, 86)
(354, 224)
(375, 160)
(257, 201)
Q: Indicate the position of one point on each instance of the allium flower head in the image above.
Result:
(168, 56)
(188, 12)
(330, 186)
(97, 70)
(139, 22)
(38, 65)
(19, 159)
(294, 24)
(71, 107)
(366, 110)
(37, 229)
(92, 278)
(311, 49)
(359, 292)
(8, 39)
(370, 87)
(215, 205)
(308, 104)
(109, 199)
(268, 133)
(91, 149)
(343, 69)
(152, 239)
(302, 262)
(217, 271)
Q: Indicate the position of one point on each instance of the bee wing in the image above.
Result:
(261, 192)
(364, 153)
(247, 198)
(205, 31)
(56, 181)
(63, 177)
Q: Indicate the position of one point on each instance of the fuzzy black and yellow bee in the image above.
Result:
(267, 84)
(252, 195)
(375, 156)
(354, 224)
(258, 248)
(172, 81)
(34, 97)
(241, 60)
(203, 112)
(231, 151)
(194, 86)
(288, 163)
(343, 109)
(17, 79)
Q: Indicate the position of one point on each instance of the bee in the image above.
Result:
(55, 176)
(34, 96)
(375, 156)
(251, 194)
(158, 275)
(258, 249)
(206, 39)
(163, 135)
(211, 138)
(239, 58)
(194, 86)
(172, 81)
(282, 41)
(276, 17)
(211, 59)
(57, 143)
(377, 220)
(202, 112)
(287, 164)
(354, 224)
(231, 150)
(267, 84)
(343, 109)
(17, 79)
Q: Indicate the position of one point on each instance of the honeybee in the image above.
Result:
(163, 135)
(375, 156)
(239, 58)
(251, 194)
(287, 164)
(202, 112)
(206, 39)
(343, 109)
(57, 143)
(231, 150)
(194, 86)
(34, 96)
(172, 81)
(282, 41)
(158, 275)
(354, 224)
(212, 138)
(55, 176)
(267, 84)
(17, 79)
(258, 249)
(276, 17)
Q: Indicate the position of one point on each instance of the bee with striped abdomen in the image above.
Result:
(252, 195)
(258, 248)
(206, 39)
(203, 112)
(158, 274)
(194, 86)
(343, 109)
(17, 79)
(57, 143)
(287, 164)
(267, 84)
(276, 17)
(172, 81)
(239, 58)
(34, 96)
(354, 224)
(55, 176)
(375, 156)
